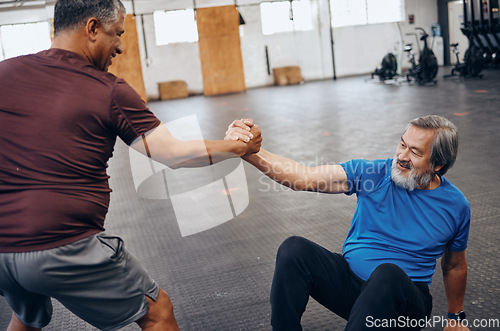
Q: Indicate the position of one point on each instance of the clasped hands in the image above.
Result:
(246, 131)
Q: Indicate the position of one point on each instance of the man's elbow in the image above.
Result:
(295, 185)
(448, 268)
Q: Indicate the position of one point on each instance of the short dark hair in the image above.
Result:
(71, 14)
(444, 149)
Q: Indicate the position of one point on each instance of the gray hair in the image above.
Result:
(444, 149)
(71, 14)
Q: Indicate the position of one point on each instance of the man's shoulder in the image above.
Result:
(447, 185)
(10, 63)
(453, 193)
(74, 63)
(365, 176)
(368, 166)
(56, 62)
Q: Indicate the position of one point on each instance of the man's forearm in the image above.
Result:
(454, 266)
(162, 147)
(455, 283)
(280, 169)
(323, 178)
(212, 152)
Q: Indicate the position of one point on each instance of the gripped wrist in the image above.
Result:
(457, 316)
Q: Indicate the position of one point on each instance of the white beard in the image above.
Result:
(413, 180)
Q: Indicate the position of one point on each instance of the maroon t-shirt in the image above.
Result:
(59, 119)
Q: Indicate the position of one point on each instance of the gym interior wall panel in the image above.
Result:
(220, 50)
(128, 64)
(25, 16)
(360, 49)
(425, 14)
(455, 18)
(253, 49)
(213, 3)
(149, 6)
(248, 2)
(50, 10)
(311, 50)
(322, 10)
(179, 61)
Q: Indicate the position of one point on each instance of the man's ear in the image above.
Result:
(91, 28)
(439, 167)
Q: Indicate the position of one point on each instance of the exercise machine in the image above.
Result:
(388, 69)
(472, 28)
(494, 27)
(471, 66)
(426, 70)
(486, 35)
(474, 58)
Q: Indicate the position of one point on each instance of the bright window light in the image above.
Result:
(302, 15)
(348, 12)
(275, 17)
(278, 17)
(383, 11)
(177, 26)
(22, 39)
(362, 12)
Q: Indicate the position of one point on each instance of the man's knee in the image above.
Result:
(291, 249)
(387, 278)
(389, 272)
(160, 315)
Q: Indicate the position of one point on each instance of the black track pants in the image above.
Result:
(305, 269)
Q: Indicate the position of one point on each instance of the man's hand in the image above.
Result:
(253, 146)
(455, 326)
(246, 131)
(240, 129)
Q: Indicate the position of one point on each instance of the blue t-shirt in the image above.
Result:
(406, 228)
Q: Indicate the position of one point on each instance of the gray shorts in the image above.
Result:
(95, 278)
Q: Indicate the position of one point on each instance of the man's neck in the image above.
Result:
(70, 41)
(435, 183)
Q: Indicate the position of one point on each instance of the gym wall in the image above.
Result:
(358, 49)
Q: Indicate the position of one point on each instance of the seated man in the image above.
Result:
(407, 216)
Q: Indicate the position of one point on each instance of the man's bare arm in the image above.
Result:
(161, 146)
(454, 267)
(326, 178)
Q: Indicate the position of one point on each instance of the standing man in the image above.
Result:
(60, 115)
(407, 216)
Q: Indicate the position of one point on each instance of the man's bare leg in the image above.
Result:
(160, 315)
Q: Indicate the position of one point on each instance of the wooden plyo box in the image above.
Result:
(287, 75)
(173, 90)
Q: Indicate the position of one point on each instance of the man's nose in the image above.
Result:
(404, 154)
(119, 49)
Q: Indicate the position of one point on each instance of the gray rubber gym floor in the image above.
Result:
(220, 279)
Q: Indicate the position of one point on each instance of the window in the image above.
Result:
(383, 11)
(280, 17)
(348, 12)
(177, 26)
(362, 12)
(21, 39)
(302, 15)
